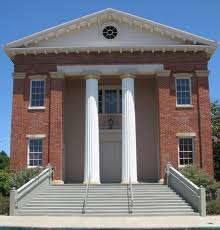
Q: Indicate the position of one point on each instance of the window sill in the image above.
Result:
(184, 106)
(29, 167)
(36, 108)
(183, 166)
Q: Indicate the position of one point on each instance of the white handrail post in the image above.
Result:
(202, 201)
(168, 172)
(13, 200)
(49, 166)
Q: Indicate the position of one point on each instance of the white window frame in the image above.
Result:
(36, 78)
(193, 148)
(179, 77)
(110, 87)
(32, 137)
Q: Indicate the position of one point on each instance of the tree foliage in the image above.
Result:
(4, 161)
(215, 117)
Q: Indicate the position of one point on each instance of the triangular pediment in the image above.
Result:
(86, 33)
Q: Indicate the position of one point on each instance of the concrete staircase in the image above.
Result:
(150, 199)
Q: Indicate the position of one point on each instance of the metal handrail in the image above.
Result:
(86, 195)
(131, 195)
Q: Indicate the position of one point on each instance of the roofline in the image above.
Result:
(110, 10)
(80, 49)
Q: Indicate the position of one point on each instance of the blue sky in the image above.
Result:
(24, 17)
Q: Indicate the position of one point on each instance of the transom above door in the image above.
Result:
(110, 100)
(110, 107)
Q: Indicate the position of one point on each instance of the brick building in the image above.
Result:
(111, 97)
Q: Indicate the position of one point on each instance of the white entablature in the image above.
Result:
(86, 35)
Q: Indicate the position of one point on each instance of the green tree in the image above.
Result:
(215, 116)
(4, 161)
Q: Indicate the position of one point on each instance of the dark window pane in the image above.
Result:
(183, 91)
(111, 101)
(37, 93)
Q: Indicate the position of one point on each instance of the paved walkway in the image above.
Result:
(183, 222)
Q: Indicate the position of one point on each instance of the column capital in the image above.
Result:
(128, 75)
(164, 73)
(202, 73)
(20, 75)
(57, 74)
(92, 76)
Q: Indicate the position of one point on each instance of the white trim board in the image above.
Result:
(79, 70)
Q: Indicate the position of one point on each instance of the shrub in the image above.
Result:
(4, 205)
(21, 177)
(213, 207)
(200, 177)
(4, 160)
(5, 181)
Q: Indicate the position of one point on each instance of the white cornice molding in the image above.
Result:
(19, 76)
(35, 136)
(182, 75)
(202, 73)
(185, 134)
(37, 77)
(84, 49)
(57, 74)
(164, 73)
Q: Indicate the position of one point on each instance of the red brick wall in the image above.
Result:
(204, 124)
(17, 155)
(172, 120)
(56, 126)
(178, 61)
(29, 122)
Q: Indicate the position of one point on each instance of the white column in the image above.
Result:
(129, 159)
(91, 168)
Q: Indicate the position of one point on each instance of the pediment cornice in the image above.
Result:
(28, 44)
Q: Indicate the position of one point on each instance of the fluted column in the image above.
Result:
(91, 168)
(129, 159)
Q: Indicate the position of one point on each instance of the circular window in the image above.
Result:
(110, 32)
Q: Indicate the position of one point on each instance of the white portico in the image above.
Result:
(121, 142)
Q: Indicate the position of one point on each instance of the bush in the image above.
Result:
(5, 181)
(213, 207)
(4, 205)
(4, 160)
(200, 177)
(22, 177)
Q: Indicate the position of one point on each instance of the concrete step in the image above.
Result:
(107, 200)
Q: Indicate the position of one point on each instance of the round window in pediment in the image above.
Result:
(110, 32)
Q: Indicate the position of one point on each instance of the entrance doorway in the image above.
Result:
(110, 156)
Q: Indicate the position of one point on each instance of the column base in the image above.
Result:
(57, 182)
(92, 182)
(127, 182)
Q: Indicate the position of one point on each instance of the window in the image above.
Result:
(110, 32)
(110, 101)
(183, 91)
(37, 93)
(186, 148)
(35, 152)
